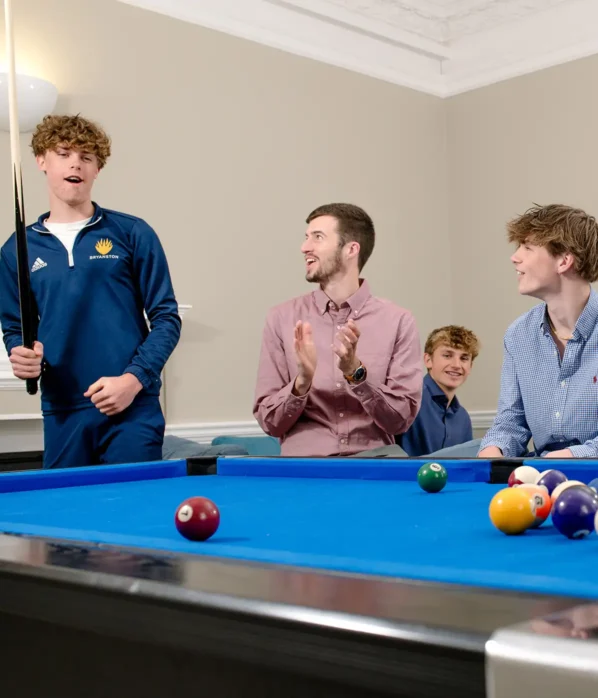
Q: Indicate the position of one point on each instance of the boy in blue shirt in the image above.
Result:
(549, 379)
(442, 421)
(93, 274)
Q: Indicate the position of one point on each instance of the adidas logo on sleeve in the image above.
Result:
(38, 264)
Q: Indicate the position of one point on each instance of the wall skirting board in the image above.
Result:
(23, 432)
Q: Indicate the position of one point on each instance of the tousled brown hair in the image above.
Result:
(560, 229)
(354, 225)
(71, 132)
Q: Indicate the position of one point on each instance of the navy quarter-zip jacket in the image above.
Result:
(91, 308)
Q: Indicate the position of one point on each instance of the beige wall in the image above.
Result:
(224, 146)
(532, 139)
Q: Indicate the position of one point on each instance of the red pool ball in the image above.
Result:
(197, 518)
(524, 474)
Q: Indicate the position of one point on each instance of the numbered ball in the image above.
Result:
(550, 479)
(541, 500)
(432, 477)
(574, 512)
(525, 474)
(512, 510)
(197, 518)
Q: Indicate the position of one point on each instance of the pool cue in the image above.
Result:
(26, 305)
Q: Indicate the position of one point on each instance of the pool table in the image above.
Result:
(327, 577)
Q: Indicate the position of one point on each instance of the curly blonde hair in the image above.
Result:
(454, 336)
(71, 132)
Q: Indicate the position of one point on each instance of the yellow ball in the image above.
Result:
(512, 510)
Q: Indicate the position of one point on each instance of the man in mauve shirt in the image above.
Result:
(340, 370)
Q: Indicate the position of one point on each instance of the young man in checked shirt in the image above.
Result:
(340, 370)
(549, 383)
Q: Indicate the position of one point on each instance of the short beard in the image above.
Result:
(324, 275)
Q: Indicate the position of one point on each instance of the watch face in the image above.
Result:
(359, 373)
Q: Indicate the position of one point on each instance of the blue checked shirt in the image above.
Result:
(553, 401)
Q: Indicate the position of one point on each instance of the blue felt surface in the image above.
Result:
(405, 469)
(372, 527)
(464, 470)
(92, 475)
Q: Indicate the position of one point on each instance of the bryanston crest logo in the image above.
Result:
(103, 247)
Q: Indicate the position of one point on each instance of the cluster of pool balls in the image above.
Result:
(197, 518)
(529, 500)
(532, 497)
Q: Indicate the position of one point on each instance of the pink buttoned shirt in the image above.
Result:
(335, 417)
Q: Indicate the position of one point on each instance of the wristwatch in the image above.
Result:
(358, 375)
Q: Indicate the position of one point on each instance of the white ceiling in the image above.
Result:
(442, 47)
(438, 20)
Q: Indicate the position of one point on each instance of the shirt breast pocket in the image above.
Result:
(582, 398)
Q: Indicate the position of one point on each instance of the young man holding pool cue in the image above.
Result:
(95, 272)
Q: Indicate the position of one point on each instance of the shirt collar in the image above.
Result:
(40, 226)
(438, 395)
(586, 322)
(355, 302)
